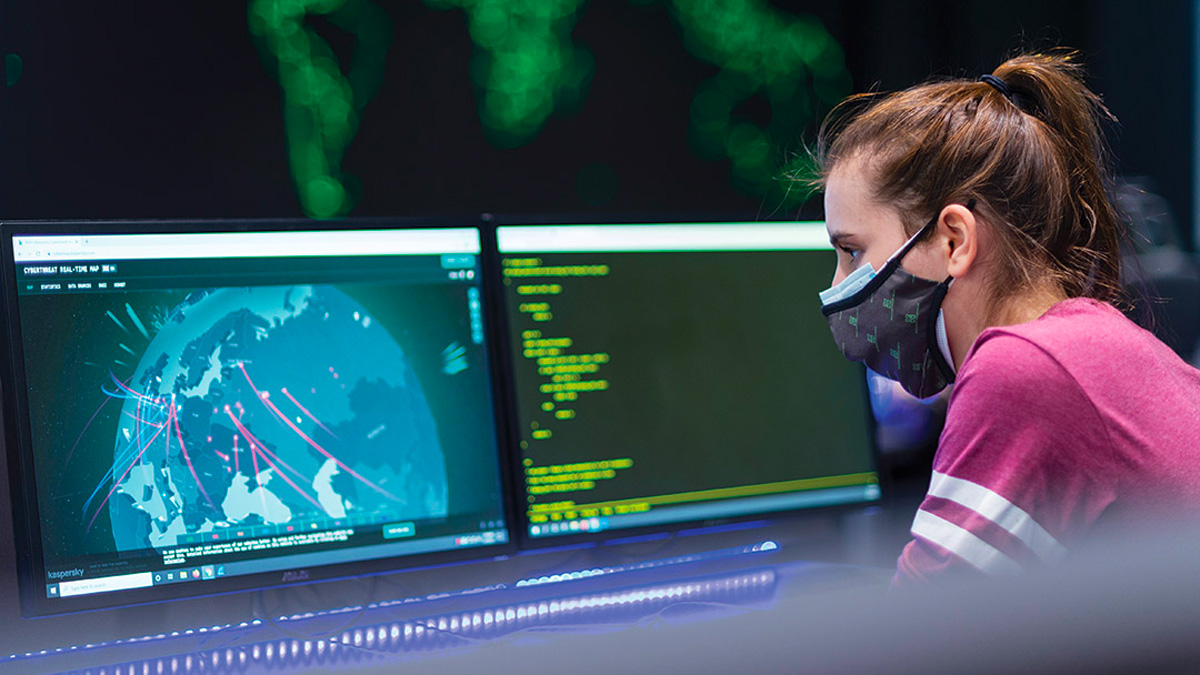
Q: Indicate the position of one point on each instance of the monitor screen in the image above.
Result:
(198, 410)
(675, 373)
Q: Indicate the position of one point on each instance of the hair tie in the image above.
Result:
(998, 84)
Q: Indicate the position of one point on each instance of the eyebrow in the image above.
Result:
(837, 237)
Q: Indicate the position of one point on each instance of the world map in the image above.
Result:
(265, 406)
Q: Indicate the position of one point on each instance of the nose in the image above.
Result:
(838, 276)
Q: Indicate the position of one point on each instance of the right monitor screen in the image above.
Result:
(677, 373)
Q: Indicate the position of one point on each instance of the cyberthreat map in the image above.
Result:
(264, 406)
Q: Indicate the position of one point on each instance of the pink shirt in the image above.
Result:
(1056, 428)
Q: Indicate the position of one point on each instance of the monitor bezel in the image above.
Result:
(527, 541)
(28, 553)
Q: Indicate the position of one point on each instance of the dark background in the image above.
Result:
(165, 110)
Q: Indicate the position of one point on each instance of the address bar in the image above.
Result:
(39, 248)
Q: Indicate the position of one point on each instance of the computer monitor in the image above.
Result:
(205, 407)
(678, 373)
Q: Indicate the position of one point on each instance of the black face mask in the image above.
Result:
(892, 322)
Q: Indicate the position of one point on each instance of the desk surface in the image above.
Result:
(550, 601)
(575, 626)
(1130, 606)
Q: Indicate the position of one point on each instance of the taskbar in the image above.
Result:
(296, 561)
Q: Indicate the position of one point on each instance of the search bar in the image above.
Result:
(122, 582)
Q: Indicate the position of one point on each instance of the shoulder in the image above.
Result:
(1011, 370)
(1082, 363)
(1019, 406)
(1081, 335)
(1063, 359)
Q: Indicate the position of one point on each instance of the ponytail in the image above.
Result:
(1025, 142)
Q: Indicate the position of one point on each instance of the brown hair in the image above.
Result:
(1034, 159)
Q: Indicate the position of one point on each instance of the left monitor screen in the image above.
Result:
(204, 411)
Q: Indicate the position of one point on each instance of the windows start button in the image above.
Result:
(399, 530)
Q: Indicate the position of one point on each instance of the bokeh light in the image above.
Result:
(790, 60)
(12, 69)
(525, 65)
(526, 68)
(322, 104)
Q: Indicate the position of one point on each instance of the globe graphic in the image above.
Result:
(264, 406)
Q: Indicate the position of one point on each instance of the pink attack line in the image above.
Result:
(262, 495)
(117, 482)
(306, 412)
(255, 442)
(124, 387)
(314, 444)
(174, 419)
(93, 419)
(261, 451)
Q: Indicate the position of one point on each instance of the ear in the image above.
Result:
(958, 228)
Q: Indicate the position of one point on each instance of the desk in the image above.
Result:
(559, 598)
(1130, 605)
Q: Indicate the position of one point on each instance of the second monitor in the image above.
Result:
(677, 373)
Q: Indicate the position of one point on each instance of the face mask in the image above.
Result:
(892, 321)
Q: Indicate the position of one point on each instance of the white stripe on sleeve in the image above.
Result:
(1000, 511)
(964, 544)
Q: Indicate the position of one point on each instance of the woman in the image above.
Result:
(977, 245)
